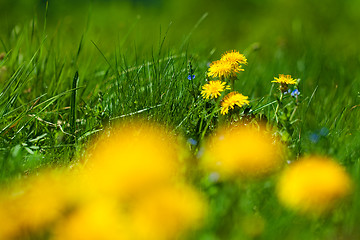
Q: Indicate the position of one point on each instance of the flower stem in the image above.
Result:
(278, 105)
(232, 82)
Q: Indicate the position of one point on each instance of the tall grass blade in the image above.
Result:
(73, 104)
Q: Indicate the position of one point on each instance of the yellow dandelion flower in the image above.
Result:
(135, 158)
(313, 185)
(284, 79)
(242, 151)
(213, 89)
(223, 69)
(232, 99)
(234, 57)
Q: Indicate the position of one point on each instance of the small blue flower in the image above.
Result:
(295, 93)
(319, 134)
(191, 77)
(192, 141)
(288, 91)
(314, 137)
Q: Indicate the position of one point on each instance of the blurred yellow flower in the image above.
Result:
(313, 185)
(33, 205)
(135, 158)
(284, 79)
(99, 219)
(242, 151)
(130, 187)
(234, 57)
(10, 226)
(223, 69)
(232, 99)
(167, 213)
(213, 89)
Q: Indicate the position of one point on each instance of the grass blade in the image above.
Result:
(73, 104)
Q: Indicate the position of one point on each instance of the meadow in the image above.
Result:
(179, 119)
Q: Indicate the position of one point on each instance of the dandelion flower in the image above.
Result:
(213, 89)
(313, 185)
(284, 79)
(232, 99)
(223, 69)
(241, 151)
(135, 158)
(234, 57)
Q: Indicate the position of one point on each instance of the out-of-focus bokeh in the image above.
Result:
(307, 34)
(328, 24)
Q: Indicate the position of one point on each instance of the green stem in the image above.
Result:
(232, 82)
(214, 110)
(73, 104)
(278, 105)
(293, 113)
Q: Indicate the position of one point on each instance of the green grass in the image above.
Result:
(70, 72)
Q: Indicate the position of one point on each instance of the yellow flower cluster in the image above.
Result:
(313, 185)
(242, 151)
(130, 187)
(229, 64)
